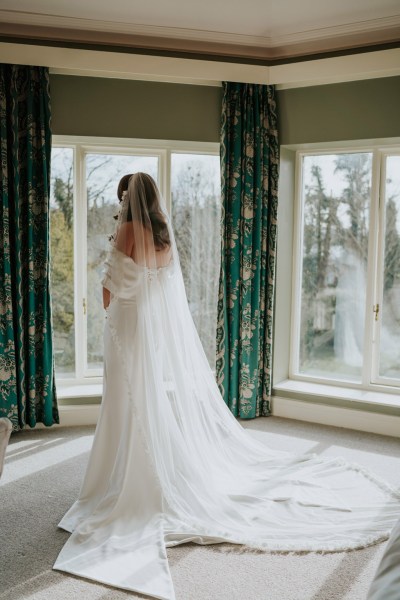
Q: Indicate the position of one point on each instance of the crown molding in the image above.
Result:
(120, 65)
(219, 37)
(141, 76)
(351, 35)
(383, 24)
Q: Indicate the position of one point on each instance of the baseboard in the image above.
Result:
(87, 414)
(81, 414)
(75, 414)
(336, 416)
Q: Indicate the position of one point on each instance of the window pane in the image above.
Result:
(196, 209)
(103, 172)
(62, 259)
(336, 197)
(389, 363)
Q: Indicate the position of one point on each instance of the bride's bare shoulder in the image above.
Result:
(126, 228)
(124, 240)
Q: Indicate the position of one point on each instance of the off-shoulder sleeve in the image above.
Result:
(110, 273)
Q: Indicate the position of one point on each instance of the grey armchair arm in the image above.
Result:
(5, 432)
(386, 583)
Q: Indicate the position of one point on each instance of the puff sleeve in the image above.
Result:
(110, 273)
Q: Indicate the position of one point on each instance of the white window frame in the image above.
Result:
(82, 145)
(375, 377)
(369, 380)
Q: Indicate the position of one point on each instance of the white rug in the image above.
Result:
(42, 476)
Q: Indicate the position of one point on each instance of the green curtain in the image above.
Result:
(27, 387)
(249, 170)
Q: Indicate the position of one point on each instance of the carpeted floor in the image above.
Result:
(42, 477)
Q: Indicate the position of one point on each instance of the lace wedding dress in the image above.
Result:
(171, 464)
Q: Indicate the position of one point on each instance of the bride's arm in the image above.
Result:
(106, 297)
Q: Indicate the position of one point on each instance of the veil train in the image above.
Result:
(169, 462)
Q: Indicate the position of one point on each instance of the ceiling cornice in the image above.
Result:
(153, 67)
(51, 27)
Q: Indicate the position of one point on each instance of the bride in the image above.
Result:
(170, 463)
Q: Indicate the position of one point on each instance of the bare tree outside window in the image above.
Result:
(336, 200)
(103, 172)
(389, 363)
(62, 259)
(196, 212)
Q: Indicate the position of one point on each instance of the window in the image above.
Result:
(195, 198)
(84, 179)
(347, 285)
(387, 363)
(62, 258)
(102, 173)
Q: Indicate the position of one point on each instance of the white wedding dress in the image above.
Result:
(171, 464)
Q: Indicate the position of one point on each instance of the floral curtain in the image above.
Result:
(250, 168)
(27, 388)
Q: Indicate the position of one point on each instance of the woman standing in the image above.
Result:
(170, 463)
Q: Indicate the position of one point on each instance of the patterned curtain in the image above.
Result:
(250, 168)
(27, 388)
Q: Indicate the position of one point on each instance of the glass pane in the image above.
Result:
(389, 361)
(196, 209)
(62, 259)
(336, 197)
(103, 172)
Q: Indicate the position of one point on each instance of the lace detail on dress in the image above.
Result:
(118, 345)
(143, 436)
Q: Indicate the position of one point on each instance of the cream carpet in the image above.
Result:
(42, 477)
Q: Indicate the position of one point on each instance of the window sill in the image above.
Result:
(70, 391)
(371, 411)
(293, 387)
(298, 388)
(74, 391)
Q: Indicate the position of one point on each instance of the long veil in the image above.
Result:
(180, 467)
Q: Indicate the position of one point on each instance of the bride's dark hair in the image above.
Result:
(153, 206)
(123, 185)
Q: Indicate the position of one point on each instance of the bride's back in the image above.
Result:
(143, 232)
(137, 242)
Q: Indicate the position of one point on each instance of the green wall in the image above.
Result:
(141, 109)
(135, 109)
(342, 111)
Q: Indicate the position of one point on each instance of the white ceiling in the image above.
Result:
(252, 17)
(265, 21)
(285, 42)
